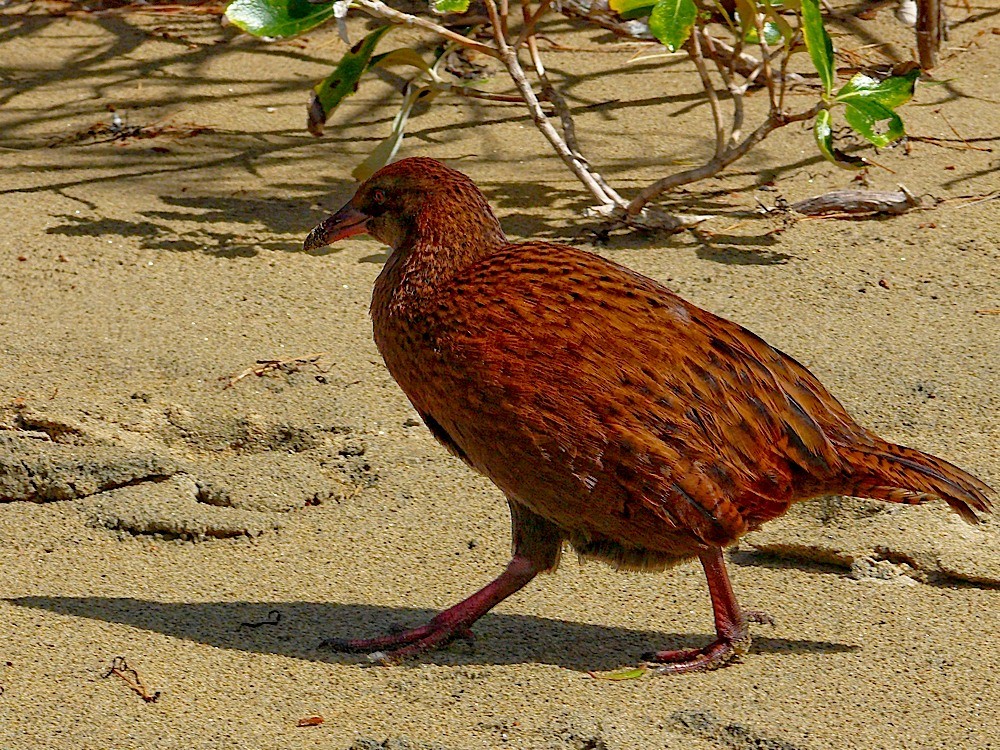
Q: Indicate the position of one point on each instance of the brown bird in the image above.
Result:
(613, 414)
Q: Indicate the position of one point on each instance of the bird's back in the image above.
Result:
(611, 406)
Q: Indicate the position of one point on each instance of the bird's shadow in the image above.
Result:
(297, 632)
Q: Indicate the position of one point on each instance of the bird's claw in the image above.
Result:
(399, 645)
(716, 654)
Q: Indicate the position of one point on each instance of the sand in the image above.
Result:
(148, 511)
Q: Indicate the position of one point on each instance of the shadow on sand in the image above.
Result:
(500, 638)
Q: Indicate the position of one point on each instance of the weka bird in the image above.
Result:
(612, 413)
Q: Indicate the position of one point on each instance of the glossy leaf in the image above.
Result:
(746, 10)
(629, 9)
(824, 139)
(818, 43)
(278, 18)
(449, 6)
(622, 674)
(889, 92)
(866, 117)
(343, 81)
(772, 35)
(772, 10)
(401, 56)
(671, 22)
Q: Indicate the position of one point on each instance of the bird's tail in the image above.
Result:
(904, 475)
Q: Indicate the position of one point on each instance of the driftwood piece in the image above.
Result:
(854, 202)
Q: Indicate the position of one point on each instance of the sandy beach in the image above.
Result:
(212, 529)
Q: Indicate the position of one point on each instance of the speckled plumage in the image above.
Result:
(611, 412)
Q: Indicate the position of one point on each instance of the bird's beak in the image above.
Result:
(347, 222)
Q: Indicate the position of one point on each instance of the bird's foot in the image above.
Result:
(402, 645)
(718, 653)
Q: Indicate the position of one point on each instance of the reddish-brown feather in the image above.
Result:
(609, 410)
(604, 402)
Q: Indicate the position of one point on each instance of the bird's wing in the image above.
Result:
(575, 370)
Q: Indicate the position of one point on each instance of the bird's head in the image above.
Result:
(416, 199)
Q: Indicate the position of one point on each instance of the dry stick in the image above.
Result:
(735, 92)
(470, 93)
(694, 50)
(765, 53)
(558, 102)
(508, 56)
(530, 21)
(850, 203)
(265, 366)
(959, 135)
(774, 121)
(380, 9)
(132, 678)
(928, 32)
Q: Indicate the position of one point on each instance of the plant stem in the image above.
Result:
(380, 9)
(508, 56)
(718, 163)
(694, 50)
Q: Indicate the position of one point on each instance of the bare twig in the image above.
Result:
(380, 9)
(766, 63)
(959, 135)
(551, 93)
(929, 23)
(471, 93)
(508, 56)
(132, 678)
(774, 121)
(694, 49)
(855, 202)
(530, 21)
(264, 366)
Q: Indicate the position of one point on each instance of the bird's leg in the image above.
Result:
(731, 625)
(536, 544)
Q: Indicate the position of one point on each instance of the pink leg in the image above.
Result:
(730, 625)
(451, 624)
(537, 544)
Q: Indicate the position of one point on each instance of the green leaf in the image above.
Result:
(745, 12)
(818, 43)
(621, 674)
(824, 133)
(277, 18)
(629, 9)
(890, 92)
(772, 35)
(449, 6)
(824, 139)
(671, 22)
(342, 82)
(772, 10)
(401, 56)
(866, 116)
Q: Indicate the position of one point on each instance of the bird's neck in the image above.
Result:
(437, 246)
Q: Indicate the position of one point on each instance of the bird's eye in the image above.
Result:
(378, 196)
